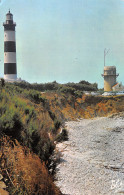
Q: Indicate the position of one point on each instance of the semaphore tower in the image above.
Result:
(109, 76)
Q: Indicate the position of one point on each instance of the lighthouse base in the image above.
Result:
(10, 77)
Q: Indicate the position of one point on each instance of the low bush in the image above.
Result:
(53, 86)
(35, 96)
(78, 94)
(67, 89)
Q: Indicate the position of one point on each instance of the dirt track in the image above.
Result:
(92, 161)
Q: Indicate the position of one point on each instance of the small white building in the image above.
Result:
(118, 87)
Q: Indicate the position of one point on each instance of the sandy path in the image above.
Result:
(92, 161)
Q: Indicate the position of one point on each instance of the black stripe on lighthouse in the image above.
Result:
(10, 68)
(9, 27)
(9, 46)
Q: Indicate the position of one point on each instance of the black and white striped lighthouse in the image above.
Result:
(10, 69)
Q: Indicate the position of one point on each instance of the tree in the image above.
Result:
(2, 82)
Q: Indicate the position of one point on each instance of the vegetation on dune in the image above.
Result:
(24, 117)
(54, 86)
(23, 171)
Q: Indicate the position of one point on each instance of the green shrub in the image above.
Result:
(11, 123)
(67, 89)
(2, 83)
(32, 126)
(36, 96)
(78, 94)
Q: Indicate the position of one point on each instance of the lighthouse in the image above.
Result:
(10, 68)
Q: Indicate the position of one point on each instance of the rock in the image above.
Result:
(2, 185)
(3, 192)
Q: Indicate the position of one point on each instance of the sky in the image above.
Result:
(64, 40)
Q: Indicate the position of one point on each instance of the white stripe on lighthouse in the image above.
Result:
(9, 36)
(9, 57)
(10, 77)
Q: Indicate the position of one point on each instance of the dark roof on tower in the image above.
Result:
(9, 13)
